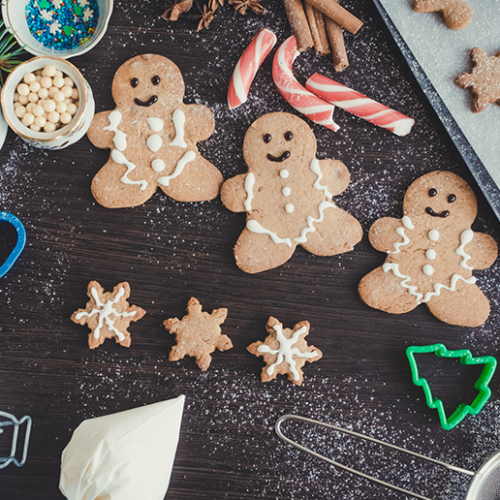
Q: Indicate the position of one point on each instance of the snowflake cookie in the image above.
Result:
(198, 334)
(108, 314)
(483, 80)
(285, 351)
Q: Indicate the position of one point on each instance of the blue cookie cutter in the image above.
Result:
(11, 421)
(21, 241)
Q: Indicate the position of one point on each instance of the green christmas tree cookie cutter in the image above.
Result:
(466, 358)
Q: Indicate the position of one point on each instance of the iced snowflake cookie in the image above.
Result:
(198, 334)
(152, 135)
(108, 314)
(456, 13)
(285, 351)
(483, 80)
(431, 253)
(287, 195)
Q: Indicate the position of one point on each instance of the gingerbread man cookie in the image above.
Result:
(483, 80)
(431, 253)
(456, 13)
(152, 135)
(287, 195)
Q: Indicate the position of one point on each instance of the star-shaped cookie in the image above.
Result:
(108, 314)
(285, 351)
(198, 334)
(483, 80)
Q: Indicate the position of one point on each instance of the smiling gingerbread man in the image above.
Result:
(431, 253)
(287, 195)
(152, 135)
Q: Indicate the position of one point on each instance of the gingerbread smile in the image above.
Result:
(149, 102)
(284, 156)
(443, 214)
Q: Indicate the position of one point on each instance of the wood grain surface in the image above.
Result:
(171, 251)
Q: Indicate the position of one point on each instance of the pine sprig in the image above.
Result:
(9, 51)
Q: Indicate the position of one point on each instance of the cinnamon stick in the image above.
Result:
(338, 14)
(298, 23)
(336, 37)
(318, 31)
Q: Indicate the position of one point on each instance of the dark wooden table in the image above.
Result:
(171, 251)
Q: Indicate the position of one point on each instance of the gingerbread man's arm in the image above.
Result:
(483, 251)
(97, 135)
(200, 122)
(382, 234)
(336, 177)
(233, 194)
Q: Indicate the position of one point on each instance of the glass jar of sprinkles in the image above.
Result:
(24, 87)
(59, 28)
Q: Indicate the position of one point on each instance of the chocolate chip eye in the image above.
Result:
(432, 192)
(267, 138)
(288, 136)
(156, 80)
(451, 198)
(134, 82)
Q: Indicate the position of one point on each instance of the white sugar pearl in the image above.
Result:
(69, 82)
(58, 81)
(49, 127)
(20, 111)
(23, 89)
(72, 108)
(29, 107)
(35, 86)
(40, 121)
(46, 82)
(61, 107)
(39, 78)
(33, 97)
(59, 96)
(23, 99)
(28, 119)
(38, 110)
(59, 73)
(17, 104)
(53, 117)
(49, 70)
(16, 97)
(66, 118)
(67, 91)
(29, 78)
(38, 72)
(74, 95)
(43, 93)
(34, 127)
(49, 106)
(52, 91)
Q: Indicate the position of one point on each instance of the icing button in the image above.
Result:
(284, 173)
(286, 191)
(289, 208)
(428, 270)
(430, 254)
(158, 165)
(433, 235)
(154, 142)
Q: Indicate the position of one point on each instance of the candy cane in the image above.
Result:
(247, 67)
(297, 96)
(359, 105)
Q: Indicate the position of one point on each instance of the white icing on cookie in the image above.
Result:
(286, 352)
(433, 235)
(154, 142)
(289, 207)
(317, 185)
(255, 227)
(428, 270)
(311, 220)
(249, 184)
(155, 124)
(158, 165)
(286, 191)
(406, 221)
(430, 254)
(284, 173)
(179, 119)
(465, 237)
(188, 156)
(120, 137)
(405, 279)
(119, 158)
(107, 314)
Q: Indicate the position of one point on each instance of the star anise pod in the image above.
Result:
(241, 6)
(206, 18)
(175, 8)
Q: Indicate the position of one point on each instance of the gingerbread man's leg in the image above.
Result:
(466, 306)
(383, 291)
(118, 186)
(192, 180)
(337, 233)
(257, 252)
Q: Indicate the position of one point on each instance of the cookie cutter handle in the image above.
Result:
(280, 433)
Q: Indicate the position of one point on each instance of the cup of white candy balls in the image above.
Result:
(48, 103)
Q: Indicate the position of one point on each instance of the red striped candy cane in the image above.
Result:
(359, 105)
(248, 65)
(295, 94)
